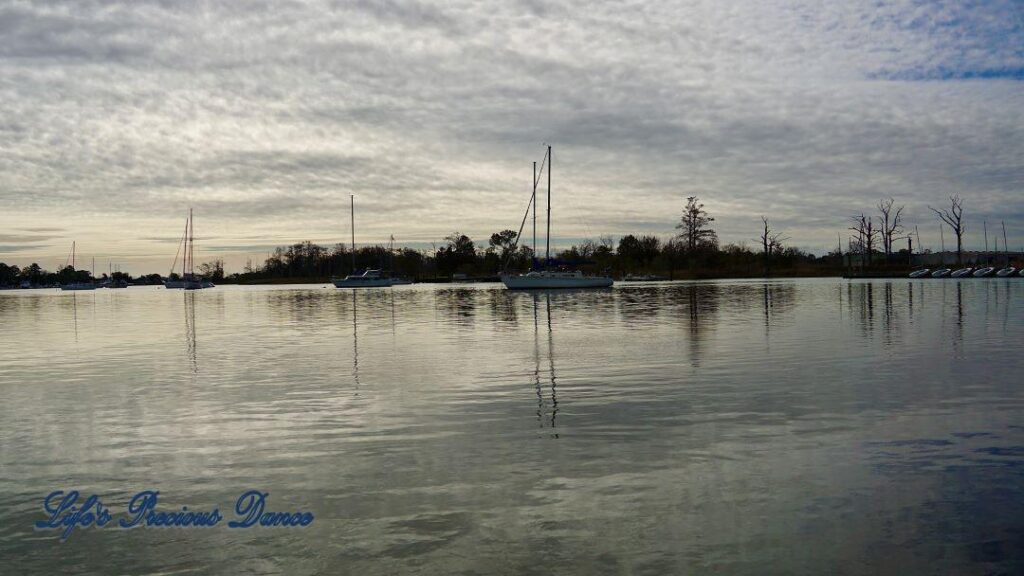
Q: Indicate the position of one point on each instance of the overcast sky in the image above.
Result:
(116, 117)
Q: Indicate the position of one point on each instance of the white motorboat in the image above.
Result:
(961, 273)
(982, 272)
(920, 273)
(368, 279)
(548, 279)
(1008, 271)
(941, 273)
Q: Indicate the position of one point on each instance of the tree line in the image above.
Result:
(693, 252)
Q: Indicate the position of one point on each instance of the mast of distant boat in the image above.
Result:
(533, 200)
(352, 213)
(547, 241)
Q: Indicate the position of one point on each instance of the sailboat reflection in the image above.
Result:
(190, 329)
(355, 343)
(541, 401)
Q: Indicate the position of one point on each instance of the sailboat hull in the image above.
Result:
(555, 280)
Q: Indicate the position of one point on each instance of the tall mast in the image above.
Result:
(534, 202)
(72, 254)
(547, 247)
(1006, 247)
(352, 212)
(191, 239)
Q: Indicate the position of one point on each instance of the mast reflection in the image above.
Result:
(541, 420)
(190, 329)
(355, 342)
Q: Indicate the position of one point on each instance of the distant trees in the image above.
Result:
(891, 223)
(695, 226)
(953, 216)
(213, 270)
(502, 245)
(458, 253)
(771, 243)
(867, 236)
(8, 274)
(638, 251)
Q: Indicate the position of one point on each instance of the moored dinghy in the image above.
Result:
(920, 273)
(941, 273)
(961, 273)
(982, 272)
(1008, 271)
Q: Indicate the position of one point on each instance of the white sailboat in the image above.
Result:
(188, 279)
(369, 278)
(546, 279)
(77, 285)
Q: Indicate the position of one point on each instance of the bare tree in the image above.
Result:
(695, 226)
(954, 217)
(866, 235)
(771, 243)
(892, 224)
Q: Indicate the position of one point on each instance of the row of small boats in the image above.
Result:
(969, 272)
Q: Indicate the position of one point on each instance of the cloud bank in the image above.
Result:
(115, 117)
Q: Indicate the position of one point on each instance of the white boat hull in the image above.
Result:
(361, 282)
(546, 281)
(1008, 271)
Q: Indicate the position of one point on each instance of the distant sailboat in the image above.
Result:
(369, 278)
(76, 285)
(543, 279)
(188, 280)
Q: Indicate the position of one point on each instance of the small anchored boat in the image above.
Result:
(982, 272)
(920, 273)
(1008, 271)
(961, 273)
(941, 273)
(368, 279)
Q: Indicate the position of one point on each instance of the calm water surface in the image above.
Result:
(811, 426)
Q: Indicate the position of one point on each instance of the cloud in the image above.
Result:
(265, 116)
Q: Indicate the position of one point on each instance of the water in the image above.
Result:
(742, 427)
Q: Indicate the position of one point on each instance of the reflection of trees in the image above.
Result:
(776, 299)
(700, 303)
(458, 303)
(638, 304)
(502, 305)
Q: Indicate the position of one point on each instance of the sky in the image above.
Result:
(116, 117)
